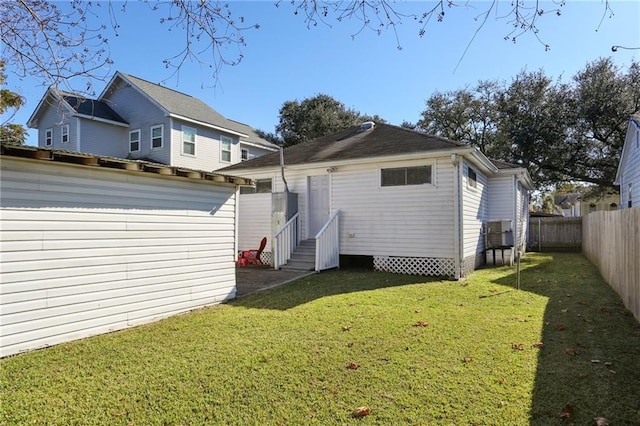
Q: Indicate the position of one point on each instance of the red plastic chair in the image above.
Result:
(252, 257)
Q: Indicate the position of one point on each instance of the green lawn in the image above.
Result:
(414, 350)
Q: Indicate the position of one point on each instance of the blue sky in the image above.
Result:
(284, 60)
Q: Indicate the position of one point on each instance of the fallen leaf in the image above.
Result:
(580, 302)
(564, 310)
(612, 371)
(567, 412)
(601, 421)
(466, 359)
(517, 346)
(500, 380)
(350, 344)
(353, 366)
(595, 361)
(605, 310)
(417, 311)
(421, 324)
(581, 345)
(346, 327)
(361, 412)
(583, 375)
(537, 345)
(570, 351)
(559, 326)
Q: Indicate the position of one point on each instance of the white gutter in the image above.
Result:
(102, 120)
(457, 207)
(257, 145)
(209, 125)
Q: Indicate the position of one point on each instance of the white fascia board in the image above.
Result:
(481, 160)
(103, 120)
(368, 160)
(257, 145)
(521, 174)
(209, 125)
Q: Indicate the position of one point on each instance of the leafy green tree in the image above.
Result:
(561, 132)
(314, 117)
(12, 133)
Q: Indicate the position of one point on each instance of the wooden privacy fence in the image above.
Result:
(555, 234)
(611, 241)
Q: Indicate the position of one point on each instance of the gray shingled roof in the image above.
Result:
(92, 108)
(350, 144)
(188, 106)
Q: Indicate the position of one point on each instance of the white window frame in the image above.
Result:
(132, 132)
(225, 140)
(406, 170)
(64, 133)
(194, 131)
(244, 154)
(48, 137)
(151, 138)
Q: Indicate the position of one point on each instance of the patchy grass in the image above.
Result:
(413, 350)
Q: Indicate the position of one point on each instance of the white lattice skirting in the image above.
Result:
(266, 258)
(432, 266)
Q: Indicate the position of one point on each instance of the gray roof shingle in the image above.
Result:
(351, 144)
(92, 108)
(188, 106)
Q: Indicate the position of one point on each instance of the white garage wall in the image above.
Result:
(87, 250)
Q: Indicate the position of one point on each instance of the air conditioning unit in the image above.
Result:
(498, 233)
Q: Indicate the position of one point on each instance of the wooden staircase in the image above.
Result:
(303, 258)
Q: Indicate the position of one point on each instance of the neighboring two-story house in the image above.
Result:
(136, 119)
(628, 175)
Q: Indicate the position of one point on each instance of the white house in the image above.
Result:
(137, 119)
(628, 175)
(92, 244)
(407, 201)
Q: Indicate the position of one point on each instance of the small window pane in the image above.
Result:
(263, 186)
(393, 177)
(472, 178)
(225, 148)
(188, 140)
(418, 175)
(134, 141)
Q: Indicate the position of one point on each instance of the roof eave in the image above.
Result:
(257, 145)
(205, 124)
(102, 120)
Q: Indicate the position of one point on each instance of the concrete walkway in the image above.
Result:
(250, 279)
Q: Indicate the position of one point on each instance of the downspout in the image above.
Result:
(457, 224)
(286, 187)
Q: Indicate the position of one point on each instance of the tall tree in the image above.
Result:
(314, 117)
(559, 131)
(10, 132)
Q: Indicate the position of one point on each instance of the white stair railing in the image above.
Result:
(285, 241)
(328, 244)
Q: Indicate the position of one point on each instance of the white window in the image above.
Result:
(244, 154)
(188, 140)
(64, 135)
(156, 136)
(134, 140)
(48, 137)
(405, 176)
(225, 148)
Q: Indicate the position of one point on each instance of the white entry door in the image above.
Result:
(318, 203)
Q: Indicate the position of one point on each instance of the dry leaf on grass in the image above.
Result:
(361, 412)
(601, 421)
(537, 345)
(559, 326)
(421, 324)
(570, 351)
(346, 327)
(517, 346)
(466, 359)
(353, 366)
(567, 412)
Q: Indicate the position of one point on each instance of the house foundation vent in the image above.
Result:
(430, 266)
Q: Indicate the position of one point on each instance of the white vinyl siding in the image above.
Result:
(157, 136)
(254, 212)
(87, 251)
(134, 140)
(475, 211)
(629, 172)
